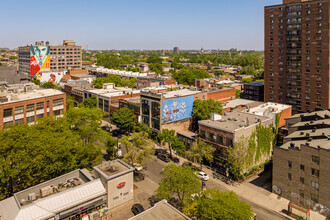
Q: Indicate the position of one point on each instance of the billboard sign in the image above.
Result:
(39, 59)
(177, 109)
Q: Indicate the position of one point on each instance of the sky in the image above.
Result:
(136, 24)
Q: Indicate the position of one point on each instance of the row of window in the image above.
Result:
(30, 108)
(295, 7)
(63, 49)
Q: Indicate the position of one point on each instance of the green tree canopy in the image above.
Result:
(187, 76)
(70, 102)
(33, 154)
(90, 102)
(178, 182)
(202, 109)
(117, 80)
(199, 151)
(214, 204)
(124, 119)
(139, 148)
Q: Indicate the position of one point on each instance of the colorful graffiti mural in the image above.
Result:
(177, 109)
(39, 59)
(53, 77)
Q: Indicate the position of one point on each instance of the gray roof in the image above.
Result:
(309, 133)
(238, 102)
(188, 134)
(234, 121)
(260, 83)
(47, 207)
(315, 143)
(161, 211)
(180, 93)
(321, 113)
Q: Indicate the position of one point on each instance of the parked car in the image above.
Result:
(138, 175)
(203, 176)
(137, 209)
(164, 157)
(175, 159)
(137, 166)
(160, 151)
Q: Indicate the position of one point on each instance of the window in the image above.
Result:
(314, 198)
(308, 12)
(319, 24)
(315, 172)
(302, 167)
(301, 193)
(40, 116)
(302, 180)
(316, 159)
(145, 107)
(290, 164)
(40, 105)
(319, 4)
(30, 108)
(19, 121)
(315, 185)
(58, 112)
(319, 11)
(7, 112)
(19, 110)
(29, 119)
(57, 102)
(289, 176)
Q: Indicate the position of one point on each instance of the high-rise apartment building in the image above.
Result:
(297, 54)
(42, 57)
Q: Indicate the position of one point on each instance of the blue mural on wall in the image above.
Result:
(177, 109)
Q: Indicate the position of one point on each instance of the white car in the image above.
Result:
(137, 166)
(203, 176)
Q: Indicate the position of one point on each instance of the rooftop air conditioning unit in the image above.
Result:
(32, 197)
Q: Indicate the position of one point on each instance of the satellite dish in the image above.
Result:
(277, 190)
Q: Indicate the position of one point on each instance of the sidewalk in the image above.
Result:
(272, 201)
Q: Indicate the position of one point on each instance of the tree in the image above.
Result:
(238, 94)
(139, 148)
(142, 127)
(238, 156)
(178, 182)
(111, 147)
(90, 102)
(214, 204)
(202, 108)
(48, 85)
(167, 136)
(70, 102)
(124, 119)
(247, 80)
(187, 76)
(33, 154)
(154, 59)
(199, 151)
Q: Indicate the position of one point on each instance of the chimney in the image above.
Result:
(47, 43)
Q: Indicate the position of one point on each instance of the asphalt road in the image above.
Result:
(155, 167)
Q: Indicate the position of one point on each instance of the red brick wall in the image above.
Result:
(222, 95)
(285, 114)
(183, 125)
(170, 82)
(33, 101)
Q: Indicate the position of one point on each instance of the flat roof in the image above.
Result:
(309, 133)
(234, 121)
(188, 134)
(114, 168)
(310, 123)
(135, 100)
(260, 83)
(39, 93)
(268, 107)
(180, 93)
(315, 143)
(321, 113)
(238, 102)
(161, 211)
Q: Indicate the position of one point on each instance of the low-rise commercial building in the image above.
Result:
(75, 195)
(26, 103)
(301, 165)
(223, 131)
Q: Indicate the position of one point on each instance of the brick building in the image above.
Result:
(223, 131)
(42, 57)
(26, 103)
(301, 165)
(173, 109)
(297, 54)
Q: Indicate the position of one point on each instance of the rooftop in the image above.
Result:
(315, 143)
(311, 123)
(112, 169)
(234, 121)
(259, 83)
(135, 100)
(324, 132)
(240, 102)
(188, 134)
(320, 113)
(161, 211)
(21, 92)
(268, 107)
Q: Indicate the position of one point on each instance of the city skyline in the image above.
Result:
(147, 24)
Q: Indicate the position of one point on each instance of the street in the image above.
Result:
(153, 173)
